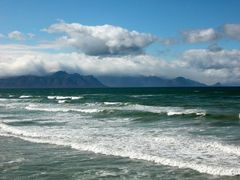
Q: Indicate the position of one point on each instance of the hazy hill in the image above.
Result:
(147, 81)
(59, 79)
(62, 79)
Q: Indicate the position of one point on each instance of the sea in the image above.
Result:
(120, 133)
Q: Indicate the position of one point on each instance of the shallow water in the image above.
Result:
(162, 133)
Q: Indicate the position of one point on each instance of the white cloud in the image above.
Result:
(102, 40)
(205, 65)
(30, 35)
(16, 35)
(221, 65)
(16, 63)
(201, 65)
(232, 31)
(200, 35)
(197, 64)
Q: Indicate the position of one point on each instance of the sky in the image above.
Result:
(166, 38)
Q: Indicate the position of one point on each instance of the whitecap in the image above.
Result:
(112, 103)
(25, 97)
(177, 151)
(170, 111)
(51, 97)
(76, 97)
(18, 160)
(61, 101)
(65, 97)
(34, 107)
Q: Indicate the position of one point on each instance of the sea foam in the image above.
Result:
(34, 107)
(65, 97)
(179, 151)
(170, 111)
(25, 96)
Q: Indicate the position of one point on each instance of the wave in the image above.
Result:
(33, 107)
(18, 160)
(163, 150)
(114, 103)
(105, 106)
(65, 97)
(25, 97)
(213, 170)
(144, 95)
(61, 101)
(170, 111)
(76, 97)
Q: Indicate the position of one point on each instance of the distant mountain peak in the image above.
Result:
(148, 81)
(217, 84)
(59, 73)
(60, 79)
(180, 77)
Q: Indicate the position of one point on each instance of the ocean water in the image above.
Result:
(122, 133)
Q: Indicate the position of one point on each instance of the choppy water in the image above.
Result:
(141, 133)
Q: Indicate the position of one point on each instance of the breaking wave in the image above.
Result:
(33, 107)
(181, 152)
(65, 97)
(170, 111)
(25, 97)
(105, 106)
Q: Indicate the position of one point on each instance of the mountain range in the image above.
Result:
(63, 79)
(59, 79)
(147, 81)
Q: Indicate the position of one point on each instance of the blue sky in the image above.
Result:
(160, 17)
(169, 19)
(163, 18)
(156, 16)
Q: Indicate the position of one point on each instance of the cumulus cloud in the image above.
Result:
(228, 31)
(221, 65)
(102, 40)
(232, 31)
(31, 62)
(20, 60)
(202, 65)
(206, 65)
(16, 35)
(200, 35)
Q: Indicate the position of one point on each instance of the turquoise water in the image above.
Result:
(128, 133)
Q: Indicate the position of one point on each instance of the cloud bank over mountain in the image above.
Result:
(113, 50)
